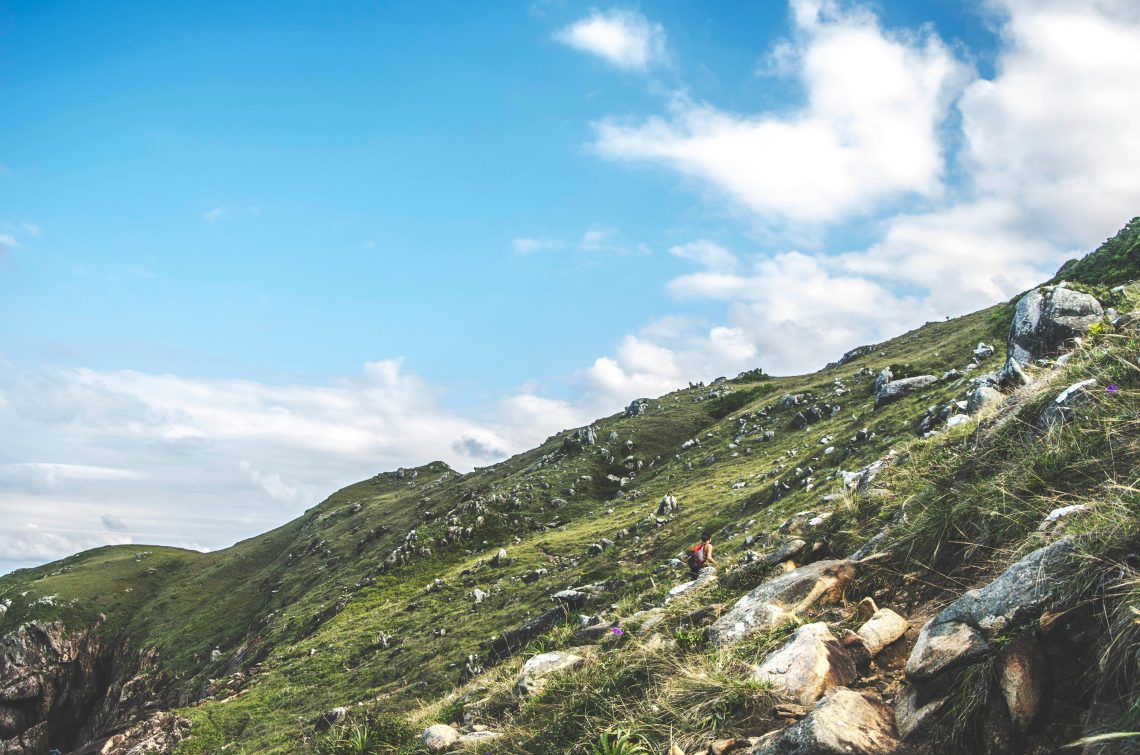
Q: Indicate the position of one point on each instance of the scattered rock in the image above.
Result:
(982, 396)
(1067, 400)
(883, 628)
(983, 351)
(331, 718)
(779, 598)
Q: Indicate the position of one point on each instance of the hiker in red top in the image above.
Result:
(701, 554)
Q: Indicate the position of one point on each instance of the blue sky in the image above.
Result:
(252, 252)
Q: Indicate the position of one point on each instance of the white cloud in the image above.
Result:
(624, 38)
(602, 239)
(867, 133)
(532, 245)
(210, 461)
(1054, 131)
(707, 253)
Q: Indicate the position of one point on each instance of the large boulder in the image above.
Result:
(974, 628)
(842, 723)
(532, 678)
(777, 600)
(1047, 317)
(896, 389)
(809, 664)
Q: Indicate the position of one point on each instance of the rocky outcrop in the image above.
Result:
(60, 690)
(809, 664)
(777, 599)
(896, 389)
(1043, 321)
(1047, 317)
(160, 733)
(842, 723)
(976, 627)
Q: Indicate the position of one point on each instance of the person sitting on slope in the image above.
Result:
(701, 554)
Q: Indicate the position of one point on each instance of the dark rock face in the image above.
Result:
(976, 628)
(60, 690)
(1045, 319)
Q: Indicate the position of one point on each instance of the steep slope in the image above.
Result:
(392, 591)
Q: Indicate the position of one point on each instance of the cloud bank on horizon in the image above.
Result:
(969, 189)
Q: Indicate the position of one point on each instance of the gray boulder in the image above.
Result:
(970, 630)
(896, 389)
(980, 397)
(1045, 318)
(842, 723)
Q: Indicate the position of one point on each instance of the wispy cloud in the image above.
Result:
(224, 212)
(533, 245)
(704, 252)
(602, 239)
(623, 38)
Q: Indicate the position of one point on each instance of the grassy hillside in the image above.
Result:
(367, 601)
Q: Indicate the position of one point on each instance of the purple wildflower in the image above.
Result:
(1112, 389)
(618, 632)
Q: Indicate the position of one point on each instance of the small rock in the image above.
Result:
(439, 737)
(883, 628)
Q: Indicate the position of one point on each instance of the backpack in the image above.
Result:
(696, 555)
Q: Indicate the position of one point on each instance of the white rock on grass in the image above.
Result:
(439, 737)
(532, 678)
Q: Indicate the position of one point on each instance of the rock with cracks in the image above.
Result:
(778, 599)
(842, 723)
(809, 664)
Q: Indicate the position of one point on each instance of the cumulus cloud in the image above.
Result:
(623, 38)
(1045, 154)
(867, 133)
